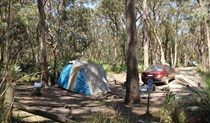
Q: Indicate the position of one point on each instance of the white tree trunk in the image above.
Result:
(146, 36)
(158, 40)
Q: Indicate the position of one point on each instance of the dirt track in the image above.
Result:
(81, 107)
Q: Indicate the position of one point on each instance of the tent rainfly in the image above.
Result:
(84, 78)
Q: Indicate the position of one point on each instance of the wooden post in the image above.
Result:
(148, 91)
(37, 87)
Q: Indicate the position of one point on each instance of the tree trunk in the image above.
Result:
(208, 41)
(158, 40)
(46, 114)
(146, 36)
(175, 54)
(202, 42)
(132, 80)
(204, 26)
(8, 101)
(7, 49)
(44, 72)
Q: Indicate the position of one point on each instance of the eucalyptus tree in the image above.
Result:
(170, 23)
(80, 34)
(5, 30)
(166, 20)
(72, 28)
(152, 28)
(113, 17)
(68, 30)
(13, 33)
(56, 16)
(41, 26)
(132, 79)
(203, 18)
(146, 35)
(19, 19)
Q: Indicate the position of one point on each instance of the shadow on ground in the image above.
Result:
(81, 108)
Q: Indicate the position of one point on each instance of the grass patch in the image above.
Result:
(99, 117)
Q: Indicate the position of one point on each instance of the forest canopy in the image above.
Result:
(89, 29)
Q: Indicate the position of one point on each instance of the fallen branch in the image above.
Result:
(42, 113)
(8, 100)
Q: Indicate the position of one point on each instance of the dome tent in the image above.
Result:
(84, 78)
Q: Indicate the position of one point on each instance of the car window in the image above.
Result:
(169, 68)
(154, 68)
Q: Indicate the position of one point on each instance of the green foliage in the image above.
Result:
(201, 96)
(119, 68)
(193, 107)
(30, 67)
(165, 110)
(13, 69)
(171, 111)
(29, 77)
(170, 96)
(116, 68)
(165, 115)
(59, 65)
(178, 114)
(2, 114)
(141, 68)
(109, 67)
(98, 118)
(3, 25)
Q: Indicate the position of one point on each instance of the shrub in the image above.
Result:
(191, 108)
(201, 98)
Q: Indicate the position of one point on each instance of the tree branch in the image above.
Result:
(42, 113)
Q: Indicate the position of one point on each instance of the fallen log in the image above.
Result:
(8, 100)
(42, 113)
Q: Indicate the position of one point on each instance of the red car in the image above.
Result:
(160, 73)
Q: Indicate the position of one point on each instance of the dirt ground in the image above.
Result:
(80, 108)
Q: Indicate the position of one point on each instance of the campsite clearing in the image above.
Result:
(81, 108)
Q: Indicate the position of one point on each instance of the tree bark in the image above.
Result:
(8, 101)
(42, 113)
(132, 79)
(175, 54)
(44, 73)
(7, 49)
(202, 42)
(146, 36)
(208, 41)
(204, 30)
(158, 40)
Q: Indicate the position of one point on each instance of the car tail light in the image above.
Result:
(159, 76)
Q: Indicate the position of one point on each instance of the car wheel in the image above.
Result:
(166, 81)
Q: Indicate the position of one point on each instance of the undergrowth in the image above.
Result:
(112, 67)
(194, 107)
(167, 113)
(99, 117)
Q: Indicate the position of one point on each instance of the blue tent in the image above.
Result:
(84, 78)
